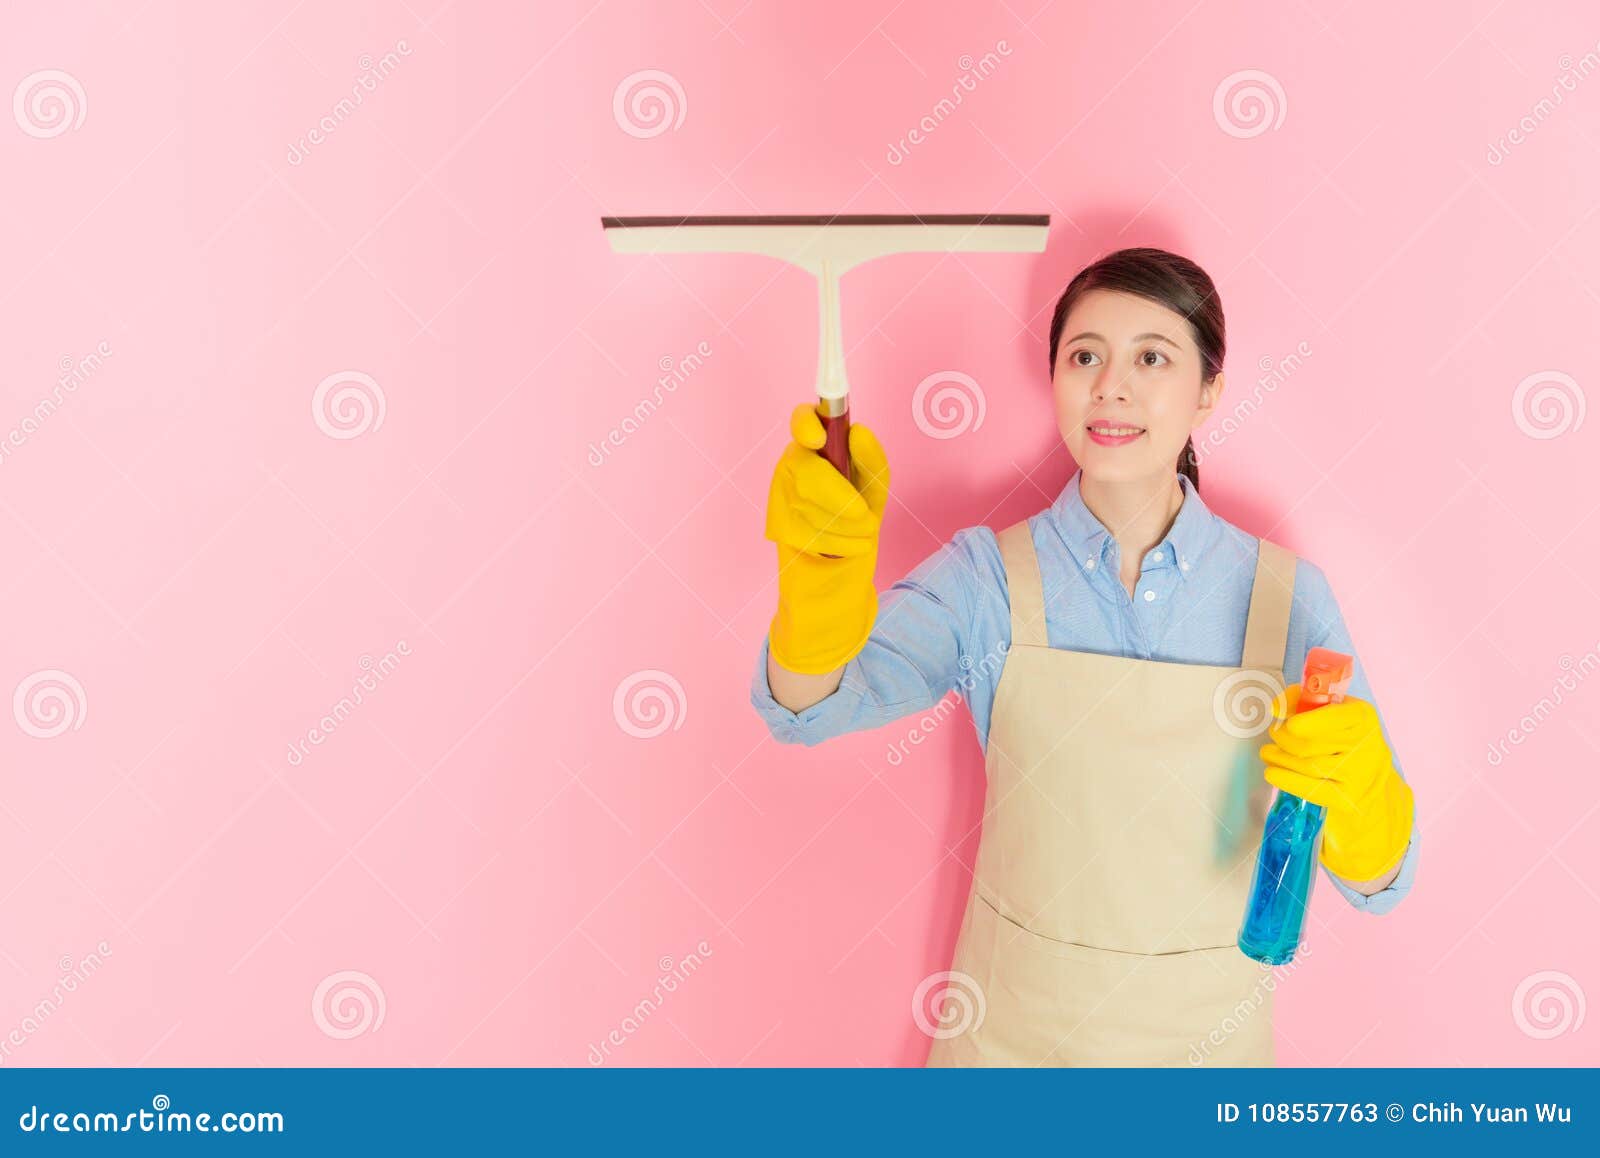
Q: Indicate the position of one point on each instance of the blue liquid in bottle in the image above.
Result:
(1285, 874)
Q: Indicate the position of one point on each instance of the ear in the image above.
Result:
(1210, 392)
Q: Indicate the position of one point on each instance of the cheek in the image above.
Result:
(1070, 398)
(1069, 413)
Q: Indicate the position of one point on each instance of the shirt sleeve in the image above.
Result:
(911, 659)
(1316, 621)
(1385, 899)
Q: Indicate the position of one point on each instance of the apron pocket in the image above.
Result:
(1050, 1002)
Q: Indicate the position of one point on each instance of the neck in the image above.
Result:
(1137, 512)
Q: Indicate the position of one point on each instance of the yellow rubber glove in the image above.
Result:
(1335, 755)
(826, 607)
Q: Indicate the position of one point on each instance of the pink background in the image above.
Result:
(483, 843)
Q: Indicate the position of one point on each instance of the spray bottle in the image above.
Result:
(1286, 867)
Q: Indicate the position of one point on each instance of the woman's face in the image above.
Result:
(1127, 362)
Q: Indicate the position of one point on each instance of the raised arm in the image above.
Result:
(834, 660)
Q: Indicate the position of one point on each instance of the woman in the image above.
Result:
(1125, 796)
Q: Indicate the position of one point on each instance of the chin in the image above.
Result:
(1104, 464)
(1118, 473)
(1113, 461)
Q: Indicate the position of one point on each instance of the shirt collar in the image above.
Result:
(1186, 541)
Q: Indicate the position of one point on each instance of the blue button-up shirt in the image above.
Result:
(946, 625)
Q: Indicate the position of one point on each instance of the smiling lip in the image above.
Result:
(1097, 432)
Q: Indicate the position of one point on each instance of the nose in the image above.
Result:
(1111, 383)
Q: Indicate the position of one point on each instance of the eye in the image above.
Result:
(1077, 353)
(1156, 354)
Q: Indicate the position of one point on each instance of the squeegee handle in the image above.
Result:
(836, 429)
(835, 417)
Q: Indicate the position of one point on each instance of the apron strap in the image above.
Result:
(1024, 585)
(1266, 634)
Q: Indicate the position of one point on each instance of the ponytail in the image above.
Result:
(1189, 465)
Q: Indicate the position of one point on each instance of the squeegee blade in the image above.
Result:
(843, 239)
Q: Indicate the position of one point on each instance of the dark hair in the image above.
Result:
(1169, 280)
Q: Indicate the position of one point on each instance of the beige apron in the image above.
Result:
(1124, 811)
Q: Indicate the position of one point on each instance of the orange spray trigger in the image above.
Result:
(1326, 679)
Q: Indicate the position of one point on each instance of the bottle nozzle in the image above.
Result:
(1326, 679)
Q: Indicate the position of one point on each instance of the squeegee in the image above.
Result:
(827, 246)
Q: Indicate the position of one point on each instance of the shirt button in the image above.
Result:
(1184, 564)
(1149, 595)
(1089, 566)
(1155, 556)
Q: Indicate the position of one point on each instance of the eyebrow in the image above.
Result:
(1135, 338)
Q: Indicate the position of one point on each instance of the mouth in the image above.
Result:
(1112, 433)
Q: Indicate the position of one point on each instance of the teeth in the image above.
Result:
(1115, 431)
